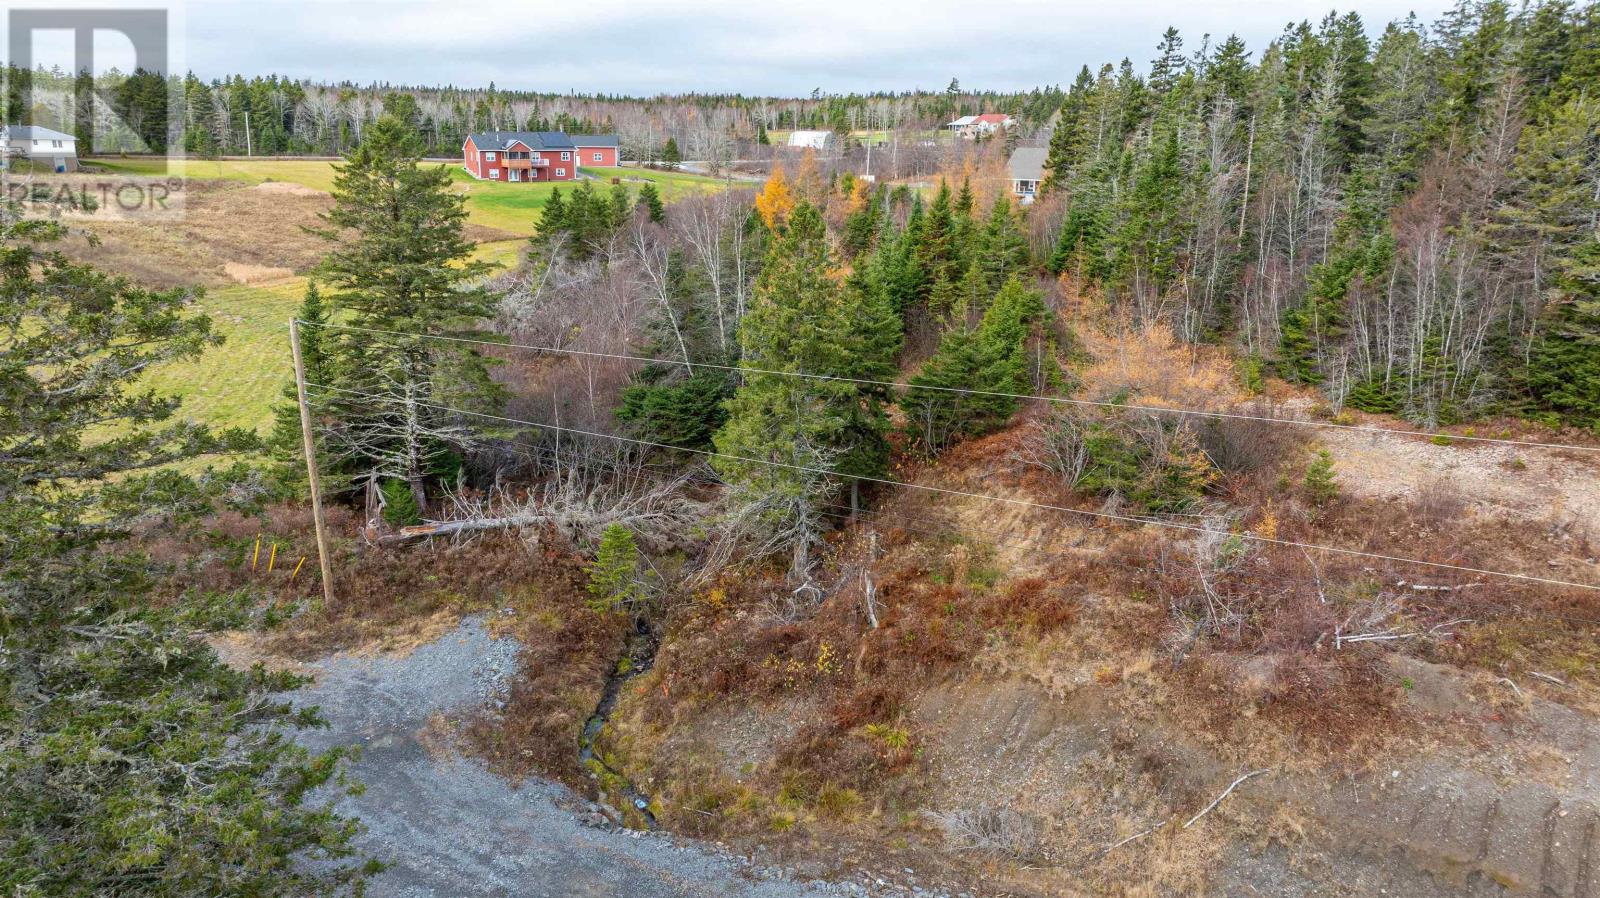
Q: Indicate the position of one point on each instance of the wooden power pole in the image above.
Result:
(311, 465)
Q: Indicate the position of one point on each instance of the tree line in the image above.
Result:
(273, 115)
(1407, 222)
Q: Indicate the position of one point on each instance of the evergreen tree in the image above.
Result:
(992, 359)
(935, 251)
(406, 270)
(1564, 367)
(135, 762)
(286, 441)
(614, 574)
(670, 155)
(620, 208)
(650, 201)
(1003, 248)
(804, 320)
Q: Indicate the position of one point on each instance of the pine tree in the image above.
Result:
(1003, 248)
(406, 269)
(650, 201)
(670, 155)
(802, 319)
(614, 574)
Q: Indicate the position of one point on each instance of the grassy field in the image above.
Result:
(237, 385)
(513, 208)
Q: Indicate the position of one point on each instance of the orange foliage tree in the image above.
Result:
(776, 200)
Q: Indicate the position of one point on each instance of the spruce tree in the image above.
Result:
(1003, 249)
(1564, 366)
(619, 209)
(286, 443)
(614, 574)
(402, 266)
(992, 359)
(650, 201)
(802, 319)
(135, 763)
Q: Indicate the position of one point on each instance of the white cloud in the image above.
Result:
(784, 48)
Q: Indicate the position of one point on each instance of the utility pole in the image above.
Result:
(311, 465)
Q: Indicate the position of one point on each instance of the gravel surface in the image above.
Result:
(449, 827)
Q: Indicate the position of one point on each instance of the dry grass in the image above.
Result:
(1149, 365)
(229, 232)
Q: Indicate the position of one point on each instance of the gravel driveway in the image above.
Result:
(449, 827)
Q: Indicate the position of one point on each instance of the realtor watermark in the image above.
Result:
(91, 109)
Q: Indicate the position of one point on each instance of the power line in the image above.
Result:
(933, 528)
(1103, 515)
(1061, 400)
(936, 528)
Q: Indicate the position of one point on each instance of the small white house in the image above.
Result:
(980, 125)
(820, 141)
(1027, 172)
(43, 146)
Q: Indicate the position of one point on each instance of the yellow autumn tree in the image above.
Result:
(776, 200)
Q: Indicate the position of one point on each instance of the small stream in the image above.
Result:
(639, 653)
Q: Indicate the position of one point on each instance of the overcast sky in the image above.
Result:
(781, 48)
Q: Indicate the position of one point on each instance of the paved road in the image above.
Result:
(449, 827)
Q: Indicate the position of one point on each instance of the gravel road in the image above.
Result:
(449, 827)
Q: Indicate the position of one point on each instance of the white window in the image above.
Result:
(489, 156)
(561, 173)
(598, 157)
(566, 157)
(494, 173)
(55, 143)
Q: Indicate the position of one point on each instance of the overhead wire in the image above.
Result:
(947, 491)
(999, 394)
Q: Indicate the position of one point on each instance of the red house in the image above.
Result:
(536, 155)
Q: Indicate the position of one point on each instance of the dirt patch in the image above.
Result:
(246, 273)
(1558, 488)
(285, 188)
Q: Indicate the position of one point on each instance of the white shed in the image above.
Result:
(811, 140)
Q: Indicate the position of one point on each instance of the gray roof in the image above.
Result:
(536, 140)
(1027, 163)
(34, 132)
(595, 140)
